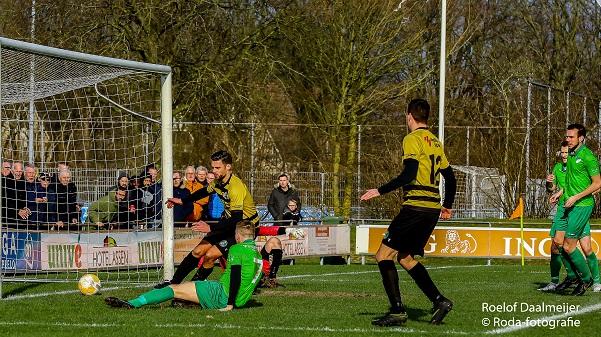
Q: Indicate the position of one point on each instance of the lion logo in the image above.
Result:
(454, 244)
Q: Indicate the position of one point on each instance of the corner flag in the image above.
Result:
(518, 212)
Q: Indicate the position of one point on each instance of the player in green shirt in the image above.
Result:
(582, 180)
(556, 182)
(234, 288)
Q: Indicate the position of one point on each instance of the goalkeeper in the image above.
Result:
(234, 288)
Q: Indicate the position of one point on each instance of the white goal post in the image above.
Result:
(106, 119)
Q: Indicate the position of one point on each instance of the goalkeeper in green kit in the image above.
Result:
(234, 288)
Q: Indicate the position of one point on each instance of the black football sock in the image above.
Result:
(188, 264)
(266, 261)
(264, 254)
(568, 259)
(203, 273)
(276, 261)
(424, 282)
(390, 279)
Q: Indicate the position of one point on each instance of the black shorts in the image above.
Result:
(410, 230)
(222, 242)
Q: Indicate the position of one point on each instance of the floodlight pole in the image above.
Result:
(443, 61)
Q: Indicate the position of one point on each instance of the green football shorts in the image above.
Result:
(560, 224)
(578, 218)
(211, 294)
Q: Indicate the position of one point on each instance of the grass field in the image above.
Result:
(316, 301)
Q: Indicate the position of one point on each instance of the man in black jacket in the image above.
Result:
(14, 197)
(282, 192)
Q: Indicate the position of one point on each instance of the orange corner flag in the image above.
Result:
(518, 211)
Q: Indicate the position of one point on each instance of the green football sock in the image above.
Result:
(581, 265)
(153, 297)
(569, 271)
(593, 265)
(555, 265)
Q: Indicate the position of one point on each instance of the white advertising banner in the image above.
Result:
(313, 241)
(100, 250)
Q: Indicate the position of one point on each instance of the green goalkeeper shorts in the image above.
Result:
(211, 294)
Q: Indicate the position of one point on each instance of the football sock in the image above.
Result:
(276, 261)
(203, 273)
(390, 280)
(188, 264)
(424, 282)
(593, 265)
(266, 261)
(567, 264)
(555, 266)
(153, 297)
(580, 265)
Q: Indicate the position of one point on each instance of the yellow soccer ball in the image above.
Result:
(89, 284)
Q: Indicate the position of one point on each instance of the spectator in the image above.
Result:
(123, 181)
(104, 211)
(152, 171)
(30, 190)
(292, 212)
(16, 196)
(201, 175)
(6, 168)
(180, 212)
(66, 199)
(43, 211)
(59, 167)
(282, 192)
(135, 203)
(156, 188)
(125, 213)
(6, 177)
(193, 185)
(214, 207)
(146, 206)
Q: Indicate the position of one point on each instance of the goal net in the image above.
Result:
(480, 193)
(83, 138)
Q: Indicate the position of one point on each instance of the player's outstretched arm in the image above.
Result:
(408, 175)
(370, 194)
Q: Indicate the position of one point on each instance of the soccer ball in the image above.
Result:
(89, 284)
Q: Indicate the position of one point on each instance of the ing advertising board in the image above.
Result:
(451, 241)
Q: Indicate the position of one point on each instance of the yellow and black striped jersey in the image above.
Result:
(235, 197)
(423, 146)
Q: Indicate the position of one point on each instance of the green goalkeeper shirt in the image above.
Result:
(244, 254)
(582, 165)
(559, 171)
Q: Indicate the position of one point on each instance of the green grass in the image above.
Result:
(316, 301)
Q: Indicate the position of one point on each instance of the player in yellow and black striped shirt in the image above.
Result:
(238, 205)
(424, 161)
